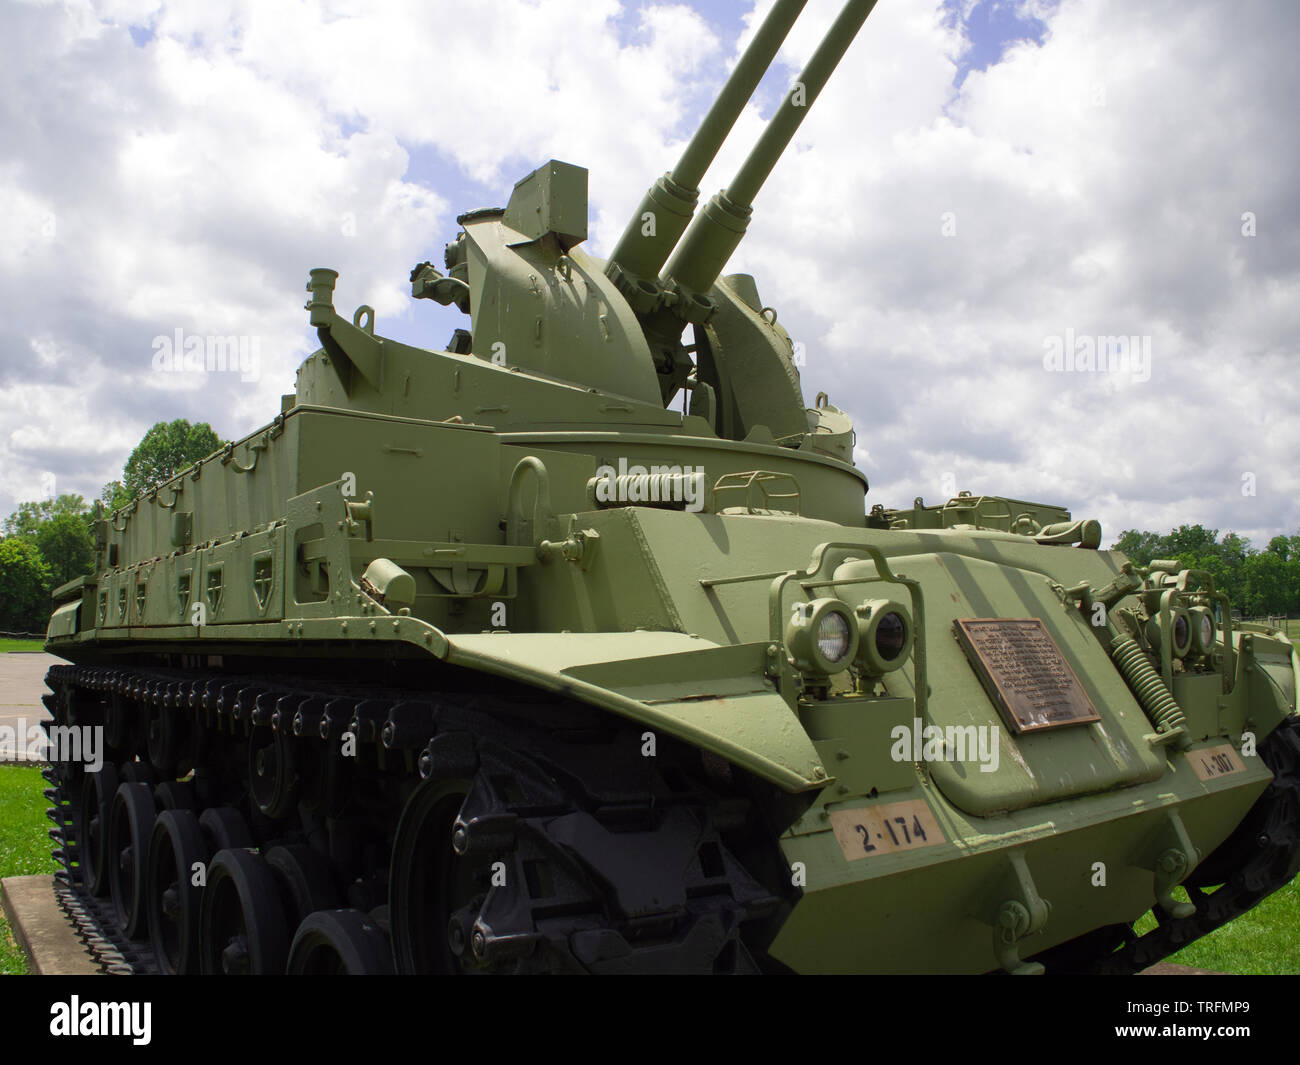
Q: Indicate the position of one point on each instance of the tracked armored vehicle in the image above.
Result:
(492, 660)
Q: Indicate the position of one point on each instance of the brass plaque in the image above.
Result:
(1210, 763)
(886, 828)
(1024, 673)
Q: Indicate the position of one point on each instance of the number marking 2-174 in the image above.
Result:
(886, 828)
(917, 828)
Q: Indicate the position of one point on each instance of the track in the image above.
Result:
(244, 825)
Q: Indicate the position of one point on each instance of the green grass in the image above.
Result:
(1263, 941)
(24, 843)
(12, 960)
(1293, 630)
(21, 645)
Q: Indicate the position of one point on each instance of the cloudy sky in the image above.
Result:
(984, 184)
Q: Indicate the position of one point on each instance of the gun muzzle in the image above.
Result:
(718, 229)
(666, 209)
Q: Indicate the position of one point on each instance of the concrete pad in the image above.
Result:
(1168, 968)
(41, 928)
(22, 683)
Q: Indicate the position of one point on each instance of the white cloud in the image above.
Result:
(1097, 184)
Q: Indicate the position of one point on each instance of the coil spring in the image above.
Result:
(1147, 685)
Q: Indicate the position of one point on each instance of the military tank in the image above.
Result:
(491, 660)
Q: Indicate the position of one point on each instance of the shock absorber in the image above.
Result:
(1131, 660)
(1149, 689)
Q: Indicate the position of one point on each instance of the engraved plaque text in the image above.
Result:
(1024, 673)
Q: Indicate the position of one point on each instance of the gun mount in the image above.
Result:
(617, 326)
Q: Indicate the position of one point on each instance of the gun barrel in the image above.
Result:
(717, 230)
(670, 203)
(740, 86)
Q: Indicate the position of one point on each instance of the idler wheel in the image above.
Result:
(97, 793)
(130, 829)
(340, 943)
(242, 920)
(174, 901)
(431, 887)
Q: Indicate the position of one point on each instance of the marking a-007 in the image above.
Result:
(886, 829)
(1214, 762)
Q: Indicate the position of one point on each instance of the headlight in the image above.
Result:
(833, 637)
(885, 636)
(821, 637)
(1203, 629)
(1182, 632)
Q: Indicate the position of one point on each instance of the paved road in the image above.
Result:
(22, 683)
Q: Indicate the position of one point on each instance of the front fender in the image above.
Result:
(713, 696)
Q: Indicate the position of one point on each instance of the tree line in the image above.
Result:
(49, 542)
(1257, 582)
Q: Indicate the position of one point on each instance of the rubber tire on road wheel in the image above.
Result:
(225, 829)
(97, 794)
(176, 795)
(177, 845)
(242, 900)
(305, 878)
(130, 825)
(340, 943)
